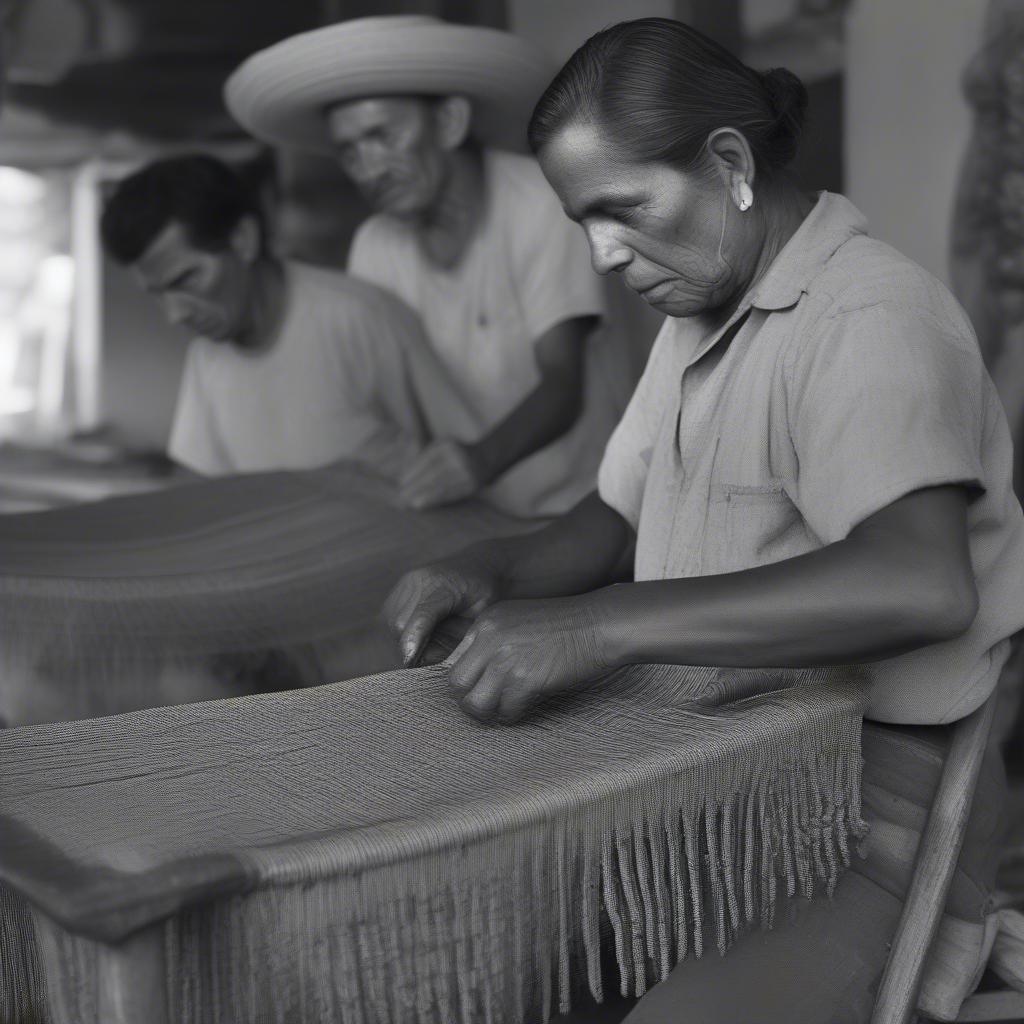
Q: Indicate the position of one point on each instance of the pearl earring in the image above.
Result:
(746, 197)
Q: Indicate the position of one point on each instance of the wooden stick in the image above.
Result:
(989, 1006)
(933, 870)
(132, 979)
(105, 904)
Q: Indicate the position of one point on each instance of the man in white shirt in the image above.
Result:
(468, 235)
(291, 367)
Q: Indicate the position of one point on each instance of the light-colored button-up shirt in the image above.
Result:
(848, 378)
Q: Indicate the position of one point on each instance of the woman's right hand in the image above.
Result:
(463, 585)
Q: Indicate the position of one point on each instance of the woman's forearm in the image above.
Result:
(577, 552)
(854, 601)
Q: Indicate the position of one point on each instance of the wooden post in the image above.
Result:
(937, 855)
(132, 979)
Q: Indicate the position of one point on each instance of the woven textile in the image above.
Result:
(259, 582)
(404, 863)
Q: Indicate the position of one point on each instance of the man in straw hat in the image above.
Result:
(419, 113)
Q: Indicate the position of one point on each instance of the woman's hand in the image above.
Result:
(464, 584)
(519, 652)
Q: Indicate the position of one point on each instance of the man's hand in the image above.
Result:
(517, 653)
(442, 474)
(463, 585)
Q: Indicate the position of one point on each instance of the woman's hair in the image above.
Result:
(658, 88)
(200, 192)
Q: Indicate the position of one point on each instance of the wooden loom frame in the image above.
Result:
(937, 855)
(124, 913)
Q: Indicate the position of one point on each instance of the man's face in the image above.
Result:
(659, 227)
(390, 148)
(205, 292)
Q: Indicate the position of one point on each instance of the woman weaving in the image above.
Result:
(815, 470)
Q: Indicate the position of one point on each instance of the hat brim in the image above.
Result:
(282, 94)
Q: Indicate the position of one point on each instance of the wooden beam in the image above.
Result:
(132, 980)
(936, 860)
(104, 904)
(1005, 1005)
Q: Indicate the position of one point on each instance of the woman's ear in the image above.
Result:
(731, 157)
(453, 116)
(246, 239)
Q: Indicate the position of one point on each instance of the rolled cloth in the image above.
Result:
(215, 589)
(370, 855)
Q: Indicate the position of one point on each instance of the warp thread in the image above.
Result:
(507, 929)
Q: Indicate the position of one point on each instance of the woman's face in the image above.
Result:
(674, 236)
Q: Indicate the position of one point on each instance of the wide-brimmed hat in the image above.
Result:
(282, 94)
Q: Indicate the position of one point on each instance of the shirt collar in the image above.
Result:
(833, 221)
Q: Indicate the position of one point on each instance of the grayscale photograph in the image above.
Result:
(510, 511)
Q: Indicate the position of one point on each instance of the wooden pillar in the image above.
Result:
(131, 976)
(132, 979)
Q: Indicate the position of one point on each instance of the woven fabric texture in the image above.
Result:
(260, 582)
(410, 865)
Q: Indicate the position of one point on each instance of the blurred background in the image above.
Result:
(88, 368)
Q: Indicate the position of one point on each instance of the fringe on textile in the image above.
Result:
(510, 928)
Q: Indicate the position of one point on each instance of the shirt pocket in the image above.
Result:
(751, 525)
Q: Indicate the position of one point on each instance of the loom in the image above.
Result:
(362, 852)
(261, 582)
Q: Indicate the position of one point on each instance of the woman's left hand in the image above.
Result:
(519, 652)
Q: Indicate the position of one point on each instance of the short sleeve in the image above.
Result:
(556, 279)
(377, 420)
(194, 441)
(371, 257)
(377, 333)
(622, 478)
(882, 402)
(363, 256)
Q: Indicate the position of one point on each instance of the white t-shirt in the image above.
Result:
(334, 384)
(526, 269)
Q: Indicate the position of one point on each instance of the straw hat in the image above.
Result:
(282, 93)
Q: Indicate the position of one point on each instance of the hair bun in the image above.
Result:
(788, 99)
(659, 88)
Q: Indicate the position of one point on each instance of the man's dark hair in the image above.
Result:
(199, 192)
